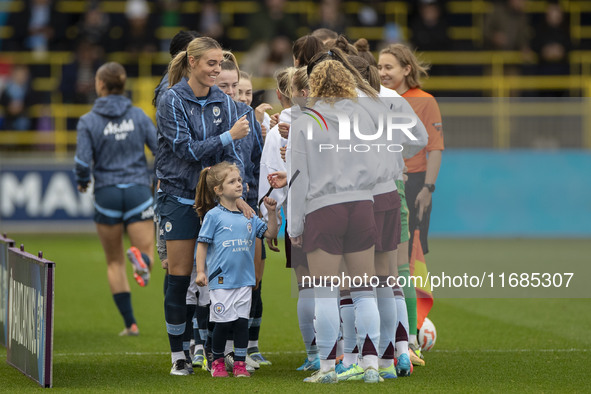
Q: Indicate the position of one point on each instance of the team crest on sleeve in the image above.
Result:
(249, 227)
(216, 111)
(219, 308)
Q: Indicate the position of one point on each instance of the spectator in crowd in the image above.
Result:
(140, 31)
(16, 99)
(506, 28)
(270, 23)
(552, 42)
(429, 28)
(94, 27)
(77, 85)
(210, 21)
(332, 16)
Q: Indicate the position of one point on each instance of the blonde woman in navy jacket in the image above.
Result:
(198, 125)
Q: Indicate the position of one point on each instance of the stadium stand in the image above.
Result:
(464, 69)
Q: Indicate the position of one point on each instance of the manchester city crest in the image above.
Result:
(249, 227)
(216, 111)
(219, 308)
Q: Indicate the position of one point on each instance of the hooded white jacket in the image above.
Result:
(271, 161)
(321, 176)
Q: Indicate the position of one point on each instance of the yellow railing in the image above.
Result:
(494, 84)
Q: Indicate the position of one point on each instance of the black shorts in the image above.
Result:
(123, 204)
(179, 221)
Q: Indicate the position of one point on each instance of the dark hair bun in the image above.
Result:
(362, 45)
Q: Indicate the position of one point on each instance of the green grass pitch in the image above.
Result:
(483, 345)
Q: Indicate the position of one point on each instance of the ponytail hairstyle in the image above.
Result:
(300, 79)
(331, 81)
(406, 57)
(363, 49)
(304, 49)
(179, 66)
(343, 44)
(113, 76)
(284, 78)
(367, 71)
(338, 55)
(210, 178)
(230, 63)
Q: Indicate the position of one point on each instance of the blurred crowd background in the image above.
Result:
(50, 49)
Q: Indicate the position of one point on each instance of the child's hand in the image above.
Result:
(270, 204)
(272, 244)
(201, 279)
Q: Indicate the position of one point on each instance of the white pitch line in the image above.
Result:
(109, 354)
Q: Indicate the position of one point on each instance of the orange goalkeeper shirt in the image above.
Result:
(427, 110)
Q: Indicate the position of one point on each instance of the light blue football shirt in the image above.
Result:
(230, 255)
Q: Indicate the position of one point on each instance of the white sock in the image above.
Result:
(305, 310)
(402, 325)
(326, 365)
(340, 347)
(177, 356)
(367, 322)
(326, 321)
(253, 343)
(412, 339)
(369, 362)
(387, 309)
(347, 310)
(385, 363)
(229, 346)
(349, 358)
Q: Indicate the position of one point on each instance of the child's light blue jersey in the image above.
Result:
(230, 255)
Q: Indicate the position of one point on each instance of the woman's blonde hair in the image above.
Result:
(331, 81)
(211, 177)
(230, 63)
(179, 65)
(283, 78)
(300, 79)
(406, 57)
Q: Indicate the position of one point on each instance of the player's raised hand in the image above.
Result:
(277, 179)
(259, 112)
(284, 129)
(240, 129)
(274, 120)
